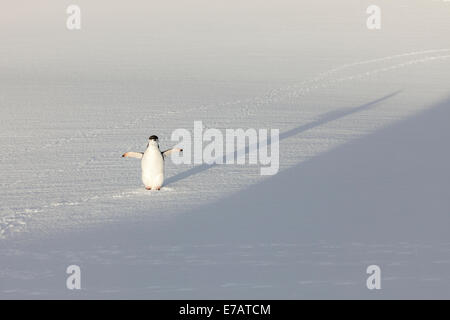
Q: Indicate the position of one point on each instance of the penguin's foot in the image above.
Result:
(148, 188)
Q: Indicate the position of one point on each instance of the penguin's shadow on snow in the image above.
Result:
(325, 118)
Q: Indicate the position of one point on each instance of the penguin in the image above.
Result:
(152, 163)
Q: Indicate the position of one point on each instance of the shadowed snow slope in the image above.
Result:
(390, 186)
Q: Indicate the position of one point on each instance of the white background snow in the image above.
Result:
(363, 116)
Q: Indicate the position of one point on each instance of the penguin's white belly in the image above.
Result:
(153, 168)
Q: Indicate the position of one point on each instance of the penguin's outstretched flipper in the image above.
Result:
(137, 155)
(169, 151)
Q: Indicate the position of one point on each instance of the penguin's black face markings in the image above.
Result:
(153, 138)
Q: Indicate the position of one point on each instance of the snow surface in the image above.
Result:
(363, 176)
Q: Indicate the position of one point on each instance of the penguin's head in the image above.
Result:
(153, 140)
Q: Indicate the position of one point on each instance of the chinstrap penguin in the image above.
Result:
(152, 163)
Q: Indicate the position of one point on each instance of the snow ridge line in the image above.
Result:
(277, 94)
(369, 73)
(264, 99)
(291, 92)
